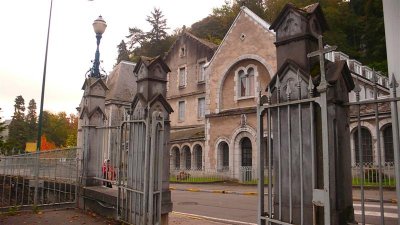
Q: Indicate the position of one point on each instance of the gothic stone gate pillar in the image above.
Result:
(143, 189)
(307, 127)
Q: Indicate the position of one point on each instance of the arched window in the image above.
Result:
(223, 156)
(246, 82)
(366, 145)
(388, 143)
(187, 157)
(246, 152)
(198, 157)
(175, 158)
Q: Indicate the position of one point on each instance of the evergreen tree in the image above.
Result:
(31, 121)
(123, 53)
(17, 132)
(159, 27)
(136, 37)
(153, 43)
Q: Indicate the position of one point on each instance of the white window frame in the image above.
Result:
(181, 111)
(182, 83)
(249, 93)
(201, 74)
(201, 111)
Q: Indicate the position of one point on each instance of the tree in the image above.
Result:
(3, 126)
(152, 43)
(31, 120)
(159, 27)
(17, 133)
(123, 53)
(136, 37)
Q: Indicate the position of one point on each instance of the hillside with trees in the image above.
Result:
(356, 27)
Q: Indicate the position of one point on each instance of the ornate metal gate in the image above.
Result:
(272, 110)
(140, 169)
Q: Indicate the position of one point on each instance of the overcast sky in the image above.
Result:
(72, 44)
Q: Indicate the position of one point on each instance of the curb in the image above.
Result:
(394, 201)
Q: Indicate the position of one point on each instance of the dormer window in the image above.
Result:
(182, 51)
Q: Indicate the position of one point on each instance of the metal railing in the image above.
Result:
(371, 174)
(198, 175)
(247, 175)
(44, 178)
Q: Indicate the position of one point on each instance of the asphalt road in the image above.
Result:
(244, 207)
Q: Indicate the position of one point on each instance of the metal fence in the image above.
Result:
(44, 178)
(371, 175)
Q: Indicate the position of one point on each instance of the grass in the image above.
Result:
(196, 180)
(386, 182)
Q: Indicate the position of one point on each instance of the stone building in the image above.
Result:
(370, 130)
(213, 92)
(244, 62)
(186, 94)
(224, 141)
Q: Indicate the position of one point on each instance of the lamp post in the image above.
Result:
(99, 26)
(39, 140)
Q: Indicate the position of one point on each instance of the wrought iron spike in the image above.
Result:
(288, 90)
(277, 83)
(269, 95)
(299, 84)
(298, 79)
(393, 82)
(311, 87)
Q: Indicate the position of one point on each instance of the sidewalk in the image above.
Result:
(370, 195)
(78, 217)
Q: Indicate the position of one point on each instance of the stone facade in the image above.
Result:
(244, 62)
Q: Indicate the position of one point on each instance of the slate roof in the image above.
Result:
(122, 83)
(187, 134)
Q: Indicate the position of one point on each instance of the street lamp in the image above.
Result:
(39, 135)
(99, 26)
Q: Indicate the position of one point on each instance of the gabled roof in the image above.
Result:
(202, 42)
(160, 98)
(138, 97)
(148, 62)
(85, 110)
(94, 83)
(306, 12)
(285, 66)
(243, 11)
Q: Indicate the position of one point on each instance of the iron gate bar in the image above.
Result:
(313, 149)
(299, 108)
(379, 100)
(278, 90)
(260, 152)
(294, 102)
(382, 219)
(288, 91)
(396, 149)
(360, 153)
